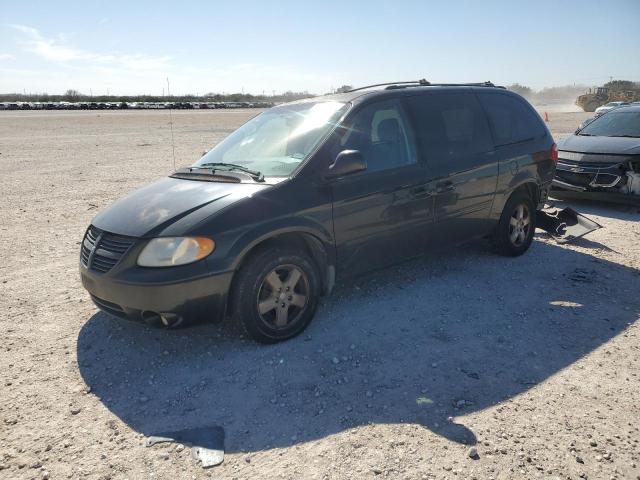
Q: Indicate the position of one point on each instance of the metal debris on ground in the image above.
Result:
(565, 225)
(207, 443)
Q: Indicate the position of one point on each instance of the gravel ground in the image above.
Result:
(529, 365)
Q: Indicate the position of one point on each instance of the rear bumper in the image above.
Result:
(185, 300)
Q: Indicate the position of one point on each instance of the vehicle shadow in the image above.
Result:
(449, 334)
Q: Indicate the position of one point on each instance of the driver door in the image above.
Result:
(383, 214)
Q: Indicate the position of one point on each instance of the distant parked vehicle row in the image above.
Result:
(128, 105)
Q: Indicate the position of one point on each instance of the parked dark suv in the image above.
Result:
(262, 225)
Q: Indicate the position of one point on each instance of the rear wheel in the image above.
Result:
(276, 294)
(514, 233)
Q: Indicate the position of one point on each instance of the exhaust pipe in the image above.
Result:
(151, 318)
(155, 319)
(170, 320)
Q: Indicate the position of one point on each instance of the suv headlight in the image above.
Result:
(173, 251)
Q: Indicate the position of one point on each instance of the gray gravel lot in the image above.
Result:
(533, 361)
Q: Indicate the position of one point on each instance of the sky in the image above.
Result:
(132, 47)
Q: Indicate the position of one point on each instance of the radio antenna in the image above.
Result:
(173, 146)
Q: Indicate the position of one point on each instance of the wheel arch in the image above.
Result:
(522, 183)
(531, 188)
(321, 252)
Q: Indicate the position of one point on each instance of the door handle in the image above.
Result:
(444, 186)
(421, 192)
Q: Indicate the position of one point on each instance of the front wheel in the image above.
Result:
(514, 233)
(276, 294)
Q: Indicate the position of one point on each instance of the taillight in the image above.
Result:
(554, 154)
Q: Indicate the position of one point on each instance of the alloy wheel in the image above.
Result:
(519, 225)
(283, 296)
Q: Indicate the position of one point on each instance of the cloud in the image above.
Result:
(63, 65)
(53, 50)
(6, 56)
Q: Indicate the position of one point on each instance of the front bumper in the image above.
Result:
(563, 191)
(600, 176)
(599, 181)
(179, 301)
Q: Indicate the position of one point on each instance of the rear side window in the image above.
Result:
(452, 130)
(511, 119)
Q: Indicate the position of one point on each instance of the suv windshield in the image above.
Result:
(275, 142)
(617, 123)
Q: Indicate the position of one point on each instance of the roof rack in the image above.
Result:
(416, 83)
(424, 83)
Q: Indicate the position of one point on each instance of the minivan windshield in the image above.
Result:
(617, 123)
(275, 142)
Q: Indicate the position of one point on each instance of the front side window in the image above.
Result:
(380, 132)
(617, 123)
(278, 140)
(451, 128)
(512, 120)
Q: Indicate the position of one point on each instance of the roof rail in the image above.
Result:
(424, 83)
(416, 83)
(478, 84)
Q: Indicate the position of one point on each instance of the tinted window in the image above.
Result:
(380, 132)
(451, 128)
(511, 119)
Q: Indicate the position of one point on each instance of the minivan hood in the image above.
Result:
(612, 145)
(149, 210)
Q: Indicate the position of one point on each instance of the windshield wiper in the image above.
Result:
(626, 136)
(586, 135)
(257, 176)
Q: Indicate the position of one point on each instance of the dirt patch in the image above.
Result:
(533, 362)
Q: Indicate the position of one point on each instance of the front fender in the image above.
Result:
(259, 234)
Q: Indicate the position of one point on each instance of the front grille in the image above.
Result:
(102, 250)
(88, 244)
(578, 179)
(601, 158)
(566, 164)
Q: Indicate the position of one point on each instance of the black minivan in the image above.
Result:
(317, 190)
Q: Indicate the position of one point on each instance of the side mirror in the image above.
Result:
(347, 162)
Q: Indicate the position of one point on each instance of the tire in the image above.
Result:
(258, 302)
(514, 233)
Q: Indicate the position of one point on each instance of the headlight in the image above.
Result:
(172, 251)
